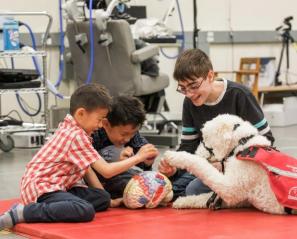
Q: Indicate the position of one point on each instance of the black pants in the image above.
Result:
(77, 205)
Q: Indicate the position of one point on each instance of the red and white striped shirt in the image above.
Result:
(60, 163)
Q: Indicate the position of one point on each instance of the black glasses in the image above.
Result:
(191, 88)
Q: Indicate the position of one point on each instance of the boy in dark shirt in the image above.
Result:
(205, 98)
(119, 139)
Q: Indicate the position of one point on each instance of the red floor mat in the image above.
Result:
(166, 223)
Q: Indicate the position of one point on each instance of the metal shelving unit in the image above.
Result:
(24, 90)
(6, 141)
(24, 128)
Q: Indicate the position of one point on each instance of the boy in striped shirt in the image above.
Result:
(50, 189)
(205, 98)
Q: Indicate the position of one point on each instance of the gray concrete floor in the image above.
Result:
(12, 164)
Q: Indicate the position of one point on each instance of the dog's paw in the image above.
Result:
(180, 203)
(175, 159)
(192, 201)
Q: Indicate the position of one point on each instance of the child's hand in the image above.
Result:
(148, 152)
(126, 153)
(116, 202)
(166, 168)
(149, 161)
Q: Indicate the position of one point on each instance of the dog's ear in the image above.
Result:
(202, 151)
(224, 130)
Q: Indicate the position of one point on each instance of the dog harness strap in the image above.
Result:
(223, 165)
(253, 152)
(244, 152)
(249, 152)
(208, 149)
(242, 141)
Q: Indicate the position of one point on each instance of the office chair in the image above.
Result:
(117, 65)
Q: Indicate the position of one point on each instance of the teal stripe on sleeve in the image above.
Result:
(188, 129)
(261, 123)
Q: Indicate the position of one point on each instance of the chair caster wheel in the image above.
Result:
(6, 143)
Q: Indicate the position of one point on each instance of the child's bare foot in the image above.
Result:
(116, 202)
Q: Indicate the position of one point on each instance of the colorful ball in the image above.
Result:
(148, 189)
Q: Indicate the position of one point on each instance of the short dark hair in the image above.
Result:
(126, 110)
(90, 97)
(192, 63)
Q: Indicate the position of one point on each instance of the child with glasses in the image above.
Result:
(205, 98)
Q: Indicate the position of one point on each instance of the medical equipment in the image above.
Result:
(118, 63)
(6, 140)
(102, 12)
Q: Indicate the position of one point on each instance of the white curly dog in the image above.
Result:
(243, 183)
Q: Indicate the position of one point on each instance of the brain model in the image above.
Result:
(148, 189)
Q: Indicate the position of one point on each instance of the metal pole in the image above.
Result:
(46, 118)
(195, 30)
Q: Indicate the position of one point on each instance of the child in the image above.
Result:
(48, 189)
(205, 99)
(119, 139)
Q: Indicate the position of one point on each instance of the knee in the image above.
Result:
(87, 212)
(102, 202)
(196, 187)
(105, 200)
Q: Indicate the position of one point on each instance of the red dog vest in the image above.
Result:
(281, 169)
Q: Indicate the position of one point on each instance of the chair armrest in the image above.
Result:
(144, 53)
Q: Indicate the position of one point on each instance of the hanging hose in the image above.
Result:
(51, 87)
(62, 48)
(35, 62)
(90, 72)
(19, 99)
(182, 35)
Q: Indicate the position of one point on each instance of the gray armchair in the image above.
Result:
(118, 65)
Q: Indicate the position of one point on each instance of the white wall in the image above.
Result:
(213, 15)
(37, 23)
(230, 15)
(226, 14)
